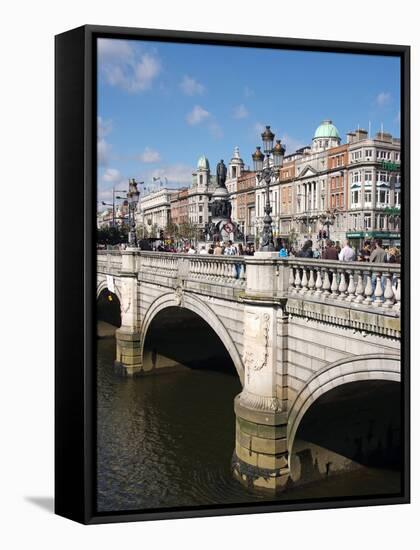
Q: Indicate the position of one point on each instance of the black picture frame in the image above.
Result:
(75, 261)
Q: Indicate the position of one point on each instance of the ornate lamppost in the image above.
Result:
(265, 171)
(133, 199)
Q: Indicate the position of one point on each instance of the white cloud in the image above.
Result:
(240, 111)
(111, 175)
(104, 127)
(191, 86)
(103, 152)
(197, 115)
(382, 99)
(110, 49)
(180, 174)
(248, 92)
(127, 68)
(398, 117)
(149, 155)
(292, 144)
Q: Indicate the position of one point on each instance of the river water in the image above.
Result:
(167, 440)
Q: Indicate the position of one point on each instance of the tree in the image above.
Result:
(112, 235)
(171, 230)
(293, 234)
(187, 230)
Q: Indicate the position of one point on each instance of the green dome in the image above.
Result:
(327, 130)
(203, 163)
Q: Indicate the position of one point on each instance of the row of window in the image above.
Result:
(382, 197)
(364, 221)
(381, 176)
(369, 154)
(337, 160)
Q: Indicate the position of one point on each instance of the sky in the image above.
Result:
(163, 105)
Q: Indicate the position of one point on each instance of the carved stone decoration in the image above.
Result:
(255, 354)
(126, 309)
(259, 402)
(179, 296)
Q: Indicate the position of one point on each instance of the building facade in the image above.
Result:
(374, 187)
(326, 190)
(199, 194)
(179, 207)
(245, 204)
(153, 211)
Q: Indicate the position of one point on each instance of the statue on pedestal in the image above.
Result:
(221, 172)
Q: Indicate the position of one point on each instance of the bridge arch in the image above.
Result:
(103, 285)
(355, 369)
(201, 309)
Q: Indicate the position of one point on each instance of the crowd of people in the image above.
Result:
(371, 251)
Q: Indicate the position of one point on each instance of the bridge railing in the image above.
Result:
(359, 284)
(364, 284)
(109, 261)
(226, 270)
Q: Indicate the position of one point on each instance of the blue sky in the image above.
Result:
(162, 105)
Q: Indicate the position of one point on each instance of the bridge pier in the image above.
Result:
(261, 458)
(128, 353)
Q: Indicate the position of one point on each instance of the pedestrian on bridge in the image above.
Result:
(347, 253)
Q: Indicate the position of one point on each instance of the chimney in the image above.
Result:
(350, 137)
(361, 134)
(383, 136)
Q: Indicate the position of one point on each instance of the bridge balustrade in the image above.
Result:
(109, 261)
(354, 283)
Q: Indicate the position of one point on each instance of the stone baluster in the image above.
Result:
(326, 285)
(311, 283)
(388, 293)
(378, 291)
(318, 283)
(342, 288)
(334, 285)
(207, 270)
(368, 289)
(228, 271)
(215, 270)
(242, 273)
(291, 279)
(397, 293)
(233, 272)
(304, 282)
(297, 278)
(351, 288)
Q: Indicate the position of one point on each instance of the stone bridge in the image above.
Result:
(297, 331)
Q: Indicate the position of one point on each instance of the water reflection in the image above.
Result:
(167, 440)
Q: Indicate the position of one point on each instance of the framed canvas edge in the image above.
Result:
(87, 513)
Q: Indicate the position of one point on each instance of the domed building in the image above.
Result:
(326, 136)
(203, 163)
(203, 172)
(199, 193)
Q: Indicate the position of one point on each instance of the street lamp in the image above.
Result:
(266, 171)
(133, 199)
(113, 202)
